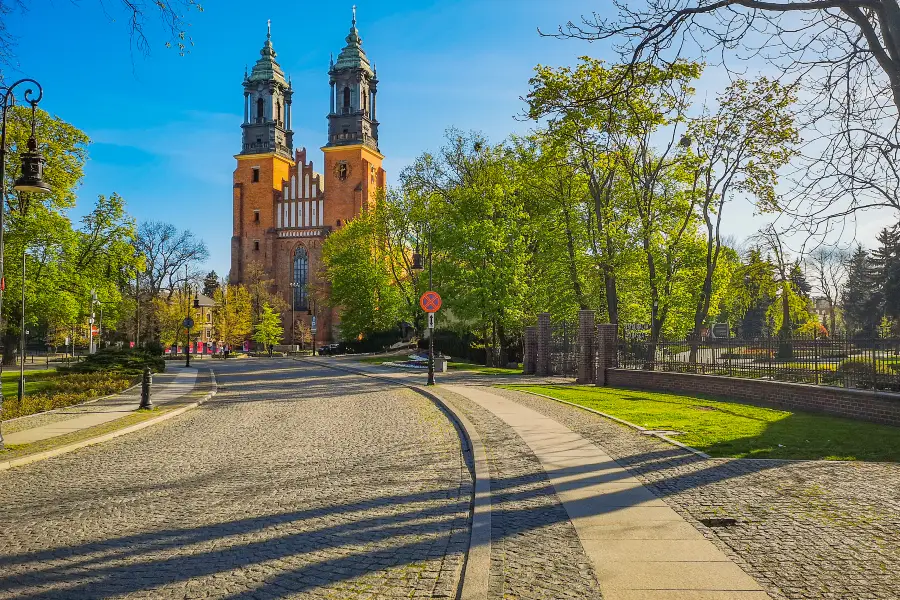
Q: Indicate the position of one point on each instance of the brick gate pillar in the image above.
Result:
(542, 368)
(529, 360)
(607, 337)
(586, 329)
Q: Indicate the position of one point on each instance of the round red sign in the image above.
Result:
(430, 302)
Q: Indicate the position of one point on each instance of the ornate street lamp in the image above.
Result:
(32, 178)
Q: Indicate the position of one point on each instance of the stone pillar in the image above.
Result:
(586, 333)
(542, 368)
(607, 338)
(529, 358)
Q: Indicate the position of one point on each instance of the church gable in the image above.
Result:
(300, 211)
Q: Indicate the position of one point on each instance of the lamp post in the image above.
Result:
(294, 286)
(21, 390)
(418, 265)
(188, 323)
(31, 180)
(313, 313)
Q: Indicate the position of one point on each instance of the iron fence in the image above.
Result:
(843, 361)
(564, 348)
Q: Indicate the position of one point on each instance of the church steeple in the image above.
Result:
(351, 115)
(267, 106)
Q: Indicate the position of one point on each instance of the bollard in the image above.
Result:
(145, 389)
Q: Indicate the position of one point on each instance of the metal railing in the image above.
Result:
(848, 361)
(564, 348)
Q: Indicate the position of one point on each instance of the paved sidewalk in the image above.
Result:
(167, 387)
(640, 548)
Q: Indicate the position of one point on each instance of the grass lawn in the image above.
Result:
(728, 429)
(35, 380)
(466, 366)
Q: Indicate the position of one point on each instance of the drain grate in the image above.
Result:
(719, 522)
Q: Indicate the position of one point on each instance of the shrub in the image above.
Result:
(130, 362)
(863, 373)
(61, 390)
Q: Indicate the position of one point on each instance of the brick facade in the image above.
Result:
(280, 202)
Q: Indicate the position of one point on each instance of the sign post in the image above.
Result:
(188, 323)
(430, 303)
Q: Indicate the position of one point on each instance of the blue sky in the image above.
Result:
(165, 128)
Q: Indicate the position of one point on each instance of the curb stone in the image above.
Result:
(39, 456)
(474, 578)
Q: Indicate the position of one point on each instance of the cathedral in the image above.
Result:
(283, 208)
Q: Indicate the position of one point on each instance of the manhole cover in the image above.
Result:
(719, 522)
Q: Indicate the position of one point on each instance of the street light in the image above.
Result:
(32, 179)
(312, 312)
(188, 323)
(294, 286)
(418, 265)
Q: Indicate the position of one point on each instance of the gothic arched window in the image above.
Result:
(347, 97)
(301, 278)
(260, 109)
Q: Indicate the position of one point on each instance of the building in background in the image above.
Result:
(283, 208)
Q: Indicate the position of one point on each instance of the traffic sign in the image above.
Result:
(312, 323)
(188, 322)
(720, 330)
(430, 302)
(431, 320)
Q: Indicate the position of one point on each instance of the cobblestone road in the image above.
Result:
(805, 529)
(294, 481)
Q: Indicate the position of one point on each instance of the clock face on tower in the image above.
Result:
(342, 170)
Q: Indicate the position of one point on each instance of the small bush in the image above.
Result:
(863, 373)
(129, 362)
(61, 390)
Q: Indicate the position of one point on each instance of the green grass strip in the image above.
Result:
(729, 429)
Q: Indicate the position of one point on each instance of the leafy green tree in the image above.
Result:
(363, 288)
(232, 317)
(268, 331)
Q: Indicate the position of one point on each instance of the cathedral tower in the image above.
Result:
(283, 209)
(353, 170)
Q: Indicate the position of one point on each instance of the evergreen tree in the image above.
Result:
(861, 297)
(210, 284)
(798, 280)
(886, 270)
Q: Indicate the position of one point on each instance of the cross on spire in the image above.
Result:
(354, 15)
(269, 29)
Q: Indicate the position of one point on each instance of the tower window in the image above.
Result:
(260, 109)
(280, 118)
(256, 245)
(346, 98)
(255, 174)
(301, 279)
(256, 216)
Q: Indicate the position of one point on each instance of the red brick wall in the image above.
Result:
(855, 404)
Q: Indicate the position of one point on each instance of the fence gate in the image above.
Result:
(564, 348)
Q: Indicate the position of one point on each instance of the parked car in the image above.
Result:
(333, 349)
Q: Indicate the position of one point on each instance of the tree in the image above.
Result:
(210, 284)
(232, 320)
(259, 285)
(268, 330)
(828, 265)
(738, 149)
(886, 269)
(363, 288)
(860, 297)
(171, 256)
(476, 218)
(62, 263)
(842, 53)
(171, 15)
(170, 312)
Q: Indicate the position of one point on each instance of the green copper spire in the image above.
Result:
(266, 68)
(353, 56)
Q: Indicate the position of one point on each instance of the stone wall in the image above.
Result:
(856, 404)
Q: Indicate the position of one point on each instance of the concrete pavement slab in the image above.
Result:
(581, 473)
